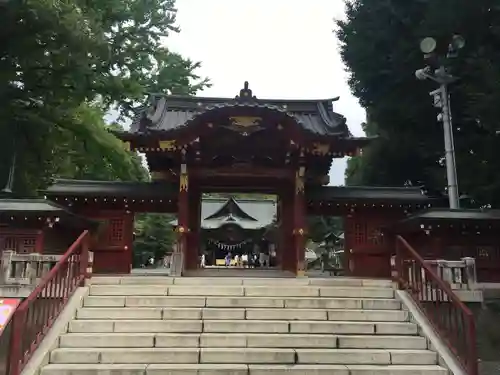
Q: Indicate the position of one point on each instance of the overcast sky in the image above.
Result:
(284, 48)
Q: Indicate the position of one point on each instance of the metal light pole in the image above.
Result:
(442, 100)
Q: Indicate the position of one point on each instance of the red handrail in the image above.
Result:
(36, 314)
(448, 315)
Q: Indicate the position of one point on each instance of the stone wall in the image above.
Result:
(488, 335)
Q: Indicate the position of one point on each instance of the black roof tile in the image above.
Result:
(120, 189)
(440, 216)
(389, 194)
(169, 112)
(42, 208)
(455, 214)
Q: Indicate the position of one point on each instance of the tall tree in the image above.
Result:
(58, 56)
(379, 45)
(154, 237)
(97, 155)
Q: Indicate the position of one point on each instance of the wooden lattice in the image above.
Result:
(115, 231)
(360, 235)
(20, 244)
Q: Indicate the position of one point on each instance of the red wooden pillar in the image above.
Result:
(39, 241)
(193, 243)
(278, 237)
(129, 238)
(182, 218)
(286, 231)
(299, 223)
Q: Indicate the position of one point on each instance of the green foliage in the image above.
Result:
(63, 60)
(320, 226)
(379, 45)
(91, 152)
(154, 237)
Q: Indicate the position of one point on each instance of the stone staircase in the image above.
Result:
(154, 325)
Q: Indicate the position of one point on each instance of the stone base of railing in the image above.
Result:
(459, 274)
(470, 295)
(176, 264)
(15, 291)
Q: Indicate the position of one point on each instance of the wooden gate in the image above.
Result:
(113, 246)
(367, 252)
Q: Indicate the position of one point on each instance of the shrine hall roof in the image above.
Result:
(171, 112)
(248, 213)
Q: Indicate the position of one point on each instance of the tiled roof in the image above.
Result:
(259, 213)
(455, 214)
(436, 216)
(42, 208)
(28, 206)
(174, 112)
(159, 189)
(389, 194)
(120, 189)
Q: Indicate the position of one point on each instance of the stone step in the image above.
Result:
(239, 313)
(243, 326)
(224, 281)
(215, 340)
(234, 369)
(242, 302)
(243, 356)
(250, 291)
(364, 357)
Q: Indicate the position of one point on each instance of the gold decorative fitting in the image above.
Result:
(126, 145)
(299, 231)
(167, 145)
(181, 229)
(245, 125)
(299, 182)
(321, 148)
(245, 121)
(183, 178)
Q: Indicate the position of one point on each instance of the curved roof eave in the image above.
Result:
(170, 113)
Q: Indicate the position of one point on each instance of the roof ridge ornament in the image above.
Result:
(245, 95)
(156, 109)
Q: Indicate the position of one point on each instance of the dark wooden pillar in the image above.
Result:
(299, 223)
(285, 256)
(288, 258)
(193, 243)
(182, 220)
(278, 237)
(129, 238)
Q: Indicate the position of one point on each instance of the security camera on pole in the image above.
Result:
(442, 100)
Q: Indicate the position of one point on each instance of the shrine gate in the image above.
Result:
(196, 145)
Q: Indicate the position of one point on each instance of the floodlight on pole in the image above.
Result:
(428, 45)
(441, 100)
(458, 42)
